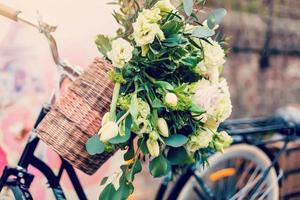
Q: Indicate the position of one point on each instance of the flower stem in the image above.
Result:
(113, 105)
(123, 117)
(152, 80)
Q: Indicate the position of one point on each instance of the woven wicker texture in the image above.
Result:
(77, 116)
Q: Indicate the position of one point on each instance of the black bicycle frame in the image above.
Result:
(28, 158)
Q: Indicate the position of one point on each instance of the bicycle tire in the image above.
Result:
(182, 187)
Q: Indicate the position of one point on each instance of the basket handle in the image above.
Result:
(9, 12)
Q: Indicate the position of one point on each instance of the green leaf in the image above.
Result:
(136, 168)
(157, 103)
(94, 145)
(126, 188)
(108, 193)
(176, 140)
(202, 32)
(143, 146)
(179, 156)
(120, 139)
(158, 167)
(174, 40)
(122, 129)
(104, 180)
(215, 17)
(103, 43)
(165, 85)
(134, 106)
(190, 61)
(130, 153)
(196, 109)
(171, 27)
(188, 7)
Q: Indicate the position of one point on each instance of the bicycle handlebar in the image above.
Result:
(71, 71)
(9, 12)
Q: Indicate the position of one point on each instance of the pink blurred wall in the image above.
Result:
(27, 73)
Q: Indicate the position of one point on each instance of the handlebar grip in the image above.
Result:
(9, 12)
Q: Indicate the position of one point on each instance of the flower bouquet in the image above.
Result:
(169, 97)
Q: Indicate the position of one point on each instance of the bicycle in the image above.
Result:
(246, 170)
(263, 174)
(15, 182)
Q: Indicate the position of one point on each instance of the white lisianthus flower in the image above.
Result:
(121, 52)
(108, 131)
(141, 126)
(164, 6)
(152, 16)
(215, 99)
(145, 32)
(105, 118)
(198, 140)
(214, 58)
(143, 108)
(222, 141)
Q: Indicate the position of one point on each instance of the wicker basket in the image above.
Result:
(77, 116)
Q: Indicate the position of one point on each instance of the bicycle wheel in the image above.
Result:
(231, 175)
(12, 191)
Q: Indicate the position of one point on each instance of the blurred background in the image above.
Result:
(262, 69)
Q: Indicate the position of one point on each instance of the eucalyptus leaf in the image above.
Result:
(108, 193)
(176, 140)
(103, 43)
(126, 188)
(158, 167)
(179, 156)
(94, 145)
(202, 32)
(188, 7)
(215, 17)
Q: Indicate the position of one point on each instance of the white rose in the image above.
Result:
(164, 6)
(121, 52)
(215, 99)
(214, 58)
(223, 140)
(198, 140)
(144, 32)
(151, 16)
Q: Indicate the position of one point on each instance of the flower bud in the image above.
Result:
(108, 131)
(153, 135)
(171, 99)
(105, 118)
(162, 126)
(153, 147)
